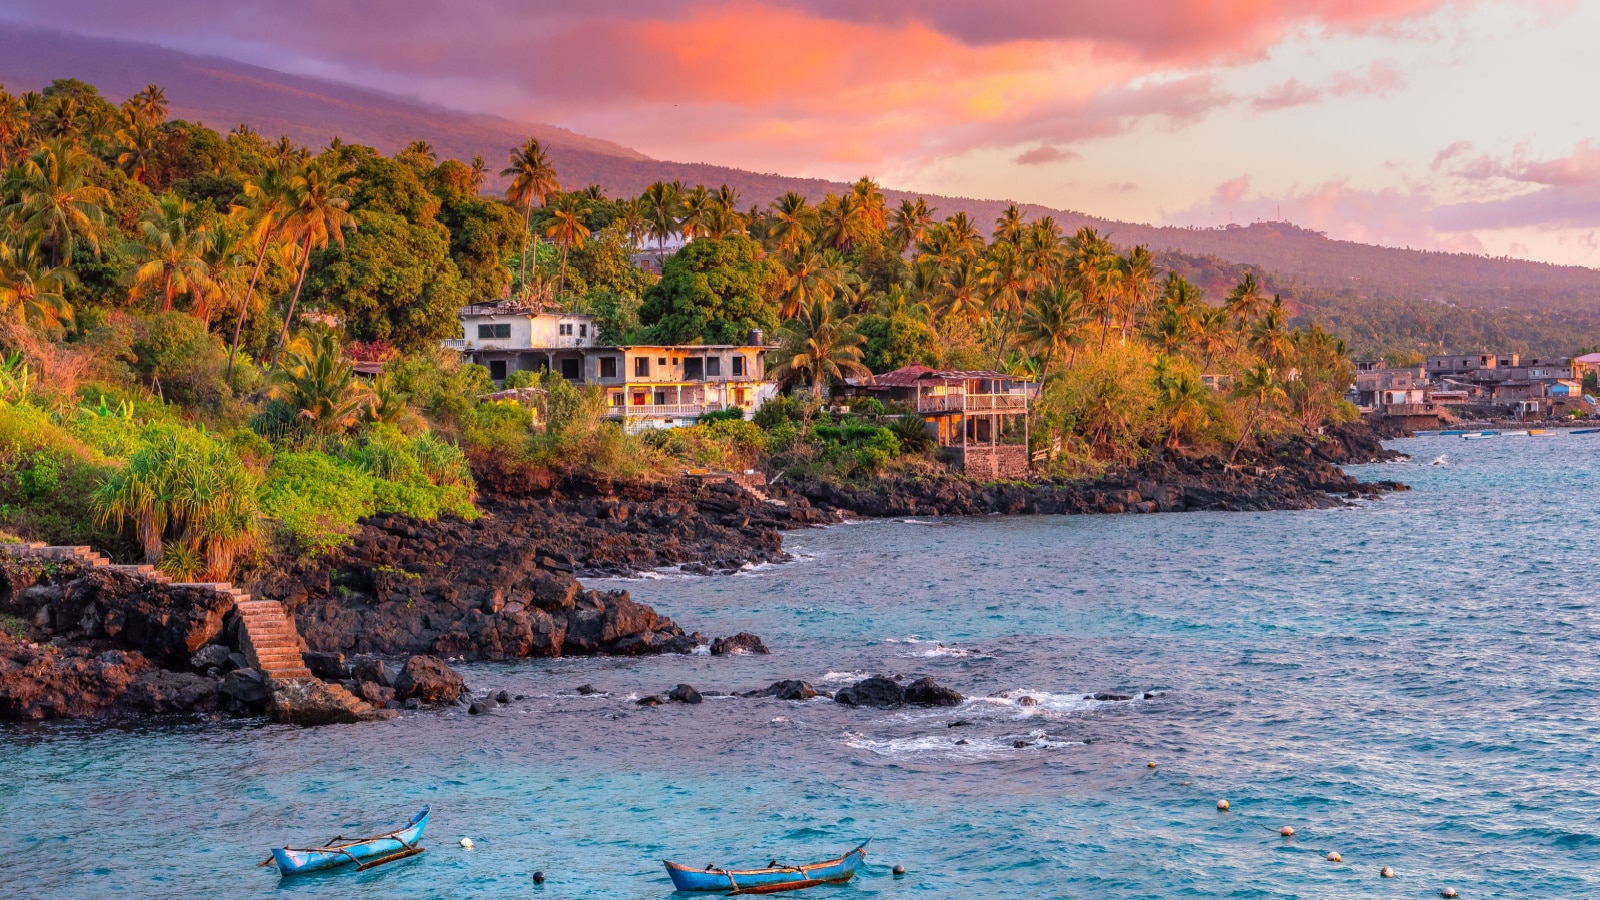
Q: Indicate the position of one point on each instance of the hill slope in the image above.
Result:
(220, 93)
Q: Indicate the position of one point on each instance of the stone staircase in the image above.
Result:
(268, 638)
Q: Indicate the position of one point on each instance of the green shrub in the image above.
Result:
(866, 406)
(782, 408)
(522, 378)
(732, 414)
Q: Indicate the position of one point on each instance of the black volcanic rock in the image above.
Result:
(878, 690)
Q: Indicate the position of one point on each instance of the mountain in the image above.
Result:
(222, 93)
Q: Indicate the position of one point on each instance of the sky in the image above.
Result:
(1463, 125)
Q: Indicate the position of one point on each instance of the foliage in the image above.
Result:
(719, 444)
(712, 291)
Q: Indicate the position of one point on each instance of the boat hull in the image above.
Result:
(297, 861)
(833, 871)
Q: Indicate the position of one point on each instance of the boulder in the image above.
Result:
(685, 693)
(927, 692)
(307, 701)
(1105, 696)
(878, 690)
(479, 707)
(327, 666)
(245, 686)
(651, 700)
(790, 689)
(37, 683)
(374, 693)
(371, 668)
(211, 655)
(429, 680)
(159, 692)
(743, 642)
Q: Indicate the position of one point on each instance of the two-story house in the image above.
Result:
(646, 386)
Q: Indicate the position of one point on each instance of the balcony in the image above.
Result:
(937, 403)
(454, 343)
(671, 410)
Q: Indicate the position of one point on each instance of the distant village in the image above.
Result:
(1475, 386)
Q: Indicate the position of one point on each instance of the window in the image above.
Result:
(638, 398)
(694, 369)
(566, 329)
(713, 366)
(497, 369)
(490, 332)
(662, 362)
(616, 398)
(608, 367)
(571, 369)
(738, 367)
(641, 367)
(583, 329)
(661, 398)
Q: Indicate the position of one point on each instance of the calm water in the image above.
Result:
(1412, 683)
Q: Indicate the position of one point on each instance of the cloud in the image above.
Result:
(774, 83)
(1381, 78)
(1045, 154)
(1290, 93)
(1567, 192)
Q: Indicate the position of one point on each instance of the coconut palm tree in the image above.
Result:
(1007, 282)
(874, 210)
(909, 222)
(1182, 400)
(265, 204)
(939, 247)
(964, 234)
(30, 290)
(1137, 286)
(1008, 226)
(319, 212)
(532, 178)
(699, 207)
(1094, 268)
(150, 105)
(1053, 323)
(477, 174)
(1269, 335)
(226, 255)
(55, 196)
(137, 142)
(662, 203)
(846, 221)
(13, 128)
(794, 222)
(569, 228)
(321, 384)
(819, 346)
(1245, 303)
(815, 278)
(1260, 388)
(631, 221)
(962, 300)
(168, 255)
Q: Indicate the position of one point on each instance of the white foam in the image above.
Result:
(851, 677)
(1049, 703)
(947, 745)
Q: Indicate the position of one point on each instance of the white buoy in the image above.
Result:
(1151, 764)
(1448, 892)
(1333, 856)
(1222, 805)
(1286, 831)
(467, 843)
(1387, 872)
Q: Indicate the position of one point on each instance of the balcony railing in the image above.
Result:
(971, 402)
(454, 343)
(667, 410)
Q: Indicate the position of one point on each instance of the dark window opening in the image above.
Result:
(566, 329)
(694, 369)
(662, 362)
(641, 367)
(713, 366)
(583, 329)
(738, 367)
(497, 369)
(608, 367)
(489, 332)
(571, 369)
(661, 398)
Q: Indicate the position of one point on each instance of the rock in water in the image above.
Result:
(428, 679)
(685, 693)
(743, 642)
(651, 700)
(371, 668)
(246, 686)
(1103, 697)
(479, 707)
(587, 689)
(879, 690)
(927, 692)
(327, 666)
(789, 689)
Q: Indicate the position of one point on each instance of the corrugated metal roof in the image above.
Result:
(911, 375)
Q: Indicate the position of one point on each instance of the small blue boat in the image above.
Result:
(365, 852)
(768, 880)
(1586, 431)
(1451, 433)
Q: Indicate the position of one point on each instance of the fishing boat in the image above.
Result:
(1480, 435)
(1516, 433)
(1540, 432)
(364, 852)
(1452, 433)
(1586, 431)
(769, 880)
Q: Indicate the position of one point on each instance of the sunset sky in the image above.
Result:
(1452, 124)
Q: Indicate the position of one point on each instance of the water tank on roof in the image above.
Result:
(753, 338)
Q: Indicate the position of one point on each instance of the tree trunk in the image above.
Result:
(527, 236)
(1249, 423)
(283, 333)
(564, 249)
(244, 306)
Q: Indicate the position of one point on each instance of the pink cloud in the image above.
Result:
(1290, 93)
(1045, 154)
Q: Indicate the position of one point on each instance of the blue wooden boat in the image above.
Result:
(1452, 433)
(768, 880)
(364, 853)
(1586, 431)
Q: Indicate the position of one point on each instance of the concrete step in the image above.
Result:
(286, 674)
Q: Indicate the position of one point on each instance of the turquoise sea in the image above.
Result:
(1411, 683)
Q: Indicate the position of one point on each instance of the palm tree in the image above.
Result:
(964, 233)
(137, 141)
(1269, 336)
(964, 292)
(1007, 282)
(13, 127)
(1053, 322)
(55, 196)
(1182, 400)
(873, 207)
(794, 222)
(318, 382)
(225, 254)
(1094, 268)
(532, 177)
(1245, 302)
(938, 247)
(266, 201)
(1137, 278)
(149, 104)
(846, 221)
(168, 255)
(662, 202)
(699, 207)
(1259, 386)
(568, 227)
(1008, 227)
(30, 290)
(477, 173)
(631, 221)
(1043, 252)
(318, 214)
(909, 222)
(725, 217)
(422, 151)
(819, 347)
(815, 278)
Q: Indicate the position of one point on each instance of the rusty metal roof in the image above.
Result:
(915, 374)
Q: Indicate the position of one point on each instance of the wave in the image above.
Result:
(957, 746)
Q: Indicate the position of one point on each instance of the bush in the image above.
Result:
(734, 414)
(183, 360)
(866, 406)
(912, 432)
(782, 408)
(720, 444)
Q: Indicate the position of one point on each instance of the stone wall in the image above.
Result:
(1000, 462)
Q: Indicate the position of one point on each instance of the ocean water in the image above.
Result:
(1411, 683)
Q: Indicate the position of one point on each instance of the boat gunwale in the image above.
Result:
(774, 870)
(419, 818)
